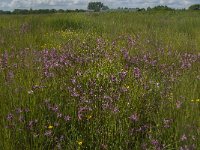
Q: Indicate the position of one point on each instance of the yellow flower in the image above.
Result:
(80, 143)
(192, 100)
(50, 127)
(198, 100)
(89, 117)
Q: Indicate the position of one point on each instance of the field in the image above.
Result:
(100, 81)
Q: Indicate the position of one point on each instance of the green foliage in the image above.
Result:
(194, 7)
(161, 7)
(39, 11)
(96, 6)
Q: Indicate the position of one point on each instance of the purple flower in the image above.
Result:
(115, 110)
(156, 145)
(113, 78)
(136, 73)
(5, 60)
(125, 54)
(27, 110)
(59, 115)
(183, 137)
(55, 108)
(123, 75)
(10, 117)
(154, 142)
(67, 118)
(73, 92)
(31, 124)
(73, 80)
(48, 133)
(10, 75)
(134, 117)
(56, 124)
(19, 110)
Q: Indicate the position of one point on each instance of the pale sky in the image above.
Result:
(82, 4)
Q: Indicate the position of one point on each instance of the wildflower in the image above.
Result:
(184, 137)
(19, 110)
(9, 117)
(48, 133)
(80, 143)
(5, 60)
(30, 92)
(56, 124)
(10, 75)
(73, 80)
(104, 147)
(113, 79)
(31, 124)
(59, 115)
(155, 142)
(137, 73)
(89, 117)
(50, 127)
(134, 117)
(115, 110)
(197, 100)
(67, 118)
(27, 110)
(122, 75)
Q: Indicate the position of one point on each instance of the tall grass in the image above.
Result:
(100, 81)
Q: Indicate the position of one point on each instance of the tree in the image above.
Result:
(96, 6)
(149, 8)
(161, 7)
(194, 7)
(105, 8)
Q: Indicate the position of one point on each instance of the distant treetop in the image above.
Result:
(194, 7)
(161, 7)
(97, 6)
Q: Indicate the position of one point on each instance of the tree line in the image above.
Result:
(93, 6)
(39, 11)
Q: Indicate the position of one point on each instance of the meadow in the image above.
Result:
(100, 81)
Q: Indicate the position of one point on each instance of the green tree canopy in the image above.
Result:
(96, 6)
(194, 7)
(161, 7)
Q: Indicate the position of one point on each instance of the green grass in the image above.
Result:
(100, 69)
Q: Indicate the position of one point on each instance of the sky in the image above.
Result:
(82, 4)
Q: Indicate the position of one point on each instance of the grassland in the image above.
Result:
(95, 81)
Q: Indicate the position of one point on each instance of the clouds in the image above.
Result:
(82, 4)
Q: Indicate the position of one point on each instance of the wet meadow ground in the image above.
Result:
(100, 81)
